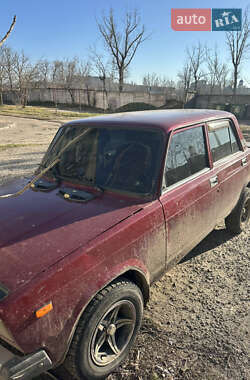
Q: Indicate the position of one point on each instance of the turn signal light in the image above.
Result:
(44, 310)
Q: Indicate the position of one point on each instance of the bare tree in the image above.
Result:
(9, 58)
(57, 73)
(151, 80)
(84, 69)
(185, 76)
(26, 76)
(102, 67)
(69, 75)
(217, 71)
(44, 69)
(196, 57)
(74, 76)
(2, 75)
(7, 74)
(64, 75)
(238, 45)
(166, 82)
(56, 78)
(122, 44)
(9, 31)
(154, 80)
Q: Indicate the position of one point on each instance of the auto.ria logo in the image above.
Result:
(206, 19)
(226, 19)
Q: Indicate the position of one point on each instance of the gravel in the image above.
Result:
(32, 138)
(196, 326)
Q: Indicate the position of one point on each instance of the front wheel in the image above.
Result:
(106, 331)
(237, 221)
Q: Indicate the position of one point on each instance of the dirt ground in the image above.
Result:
(196, 325)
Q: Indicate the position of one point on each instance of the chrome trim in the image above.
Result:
(214, 125)
(185, 180)
(25, 367)
(228, 158)
(244, 161)
(214, 181)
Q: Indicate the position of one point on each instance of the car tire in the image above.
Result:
(237, 221)
(106, 331)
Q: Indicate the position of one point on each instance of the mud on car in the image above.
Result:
(116, 202)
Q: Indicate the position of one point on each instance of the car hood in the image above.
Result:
(38, 229)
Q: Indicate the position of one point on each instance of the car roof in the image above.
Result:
(163, 119)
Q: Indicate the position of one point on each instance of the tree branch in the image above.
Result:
(9, 31)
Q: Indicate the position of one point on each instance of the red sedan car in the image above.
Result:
(121, 199)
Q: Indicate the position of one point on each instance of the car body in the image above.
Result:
(64, 241)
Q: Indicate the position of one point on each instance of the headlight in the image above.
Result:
(3, 292)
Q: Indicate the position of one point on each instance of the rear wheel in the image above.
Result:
(106, 331)
(237, 221)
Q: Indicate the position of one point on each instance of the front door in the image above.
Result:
(190, 194)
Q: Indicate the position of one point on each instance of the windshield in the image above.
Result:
(119, 159)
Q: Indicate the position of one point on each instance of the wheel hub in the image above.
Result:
(113, 333)
(111, 329)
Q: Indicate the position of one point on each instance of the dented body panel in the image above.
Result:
(65, 252)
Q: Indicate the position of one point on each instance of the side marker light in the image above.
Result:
(44, 310)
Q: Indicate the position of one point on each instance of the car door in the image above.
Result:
(229, 163)
(189, 195)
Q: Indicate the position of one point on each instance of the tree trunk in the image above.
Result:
(79, 99)
(72, 95)
(121, 78)
(1, 94)
(24, 98)
(104, 94)
(88, 95)
(235, 83)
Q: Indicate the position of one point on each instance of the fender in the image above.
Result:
(133, 273)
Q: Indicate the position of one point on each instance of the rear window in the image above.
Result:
(222, 139)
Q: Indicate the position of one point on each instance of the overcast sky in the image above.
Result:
(57, 29)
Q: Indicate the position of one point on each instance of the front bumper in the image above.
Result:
(23, 368)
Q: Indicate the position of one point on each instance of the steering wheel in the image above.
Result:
(129, 170)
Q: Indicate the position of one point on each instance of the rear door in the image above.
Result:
(229, 163)
(190, 193)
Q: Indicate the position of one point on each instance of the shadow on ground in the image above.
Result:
(213, 240)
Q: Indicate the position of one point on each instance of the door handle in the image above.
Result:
(244, 161)
(214, 181)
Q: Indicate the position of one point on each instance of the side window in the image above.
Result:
(187, 155)
(222, 139)
(234, 143)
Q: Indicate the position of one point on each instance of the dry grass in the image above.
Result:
(42, 113)
(9, 146)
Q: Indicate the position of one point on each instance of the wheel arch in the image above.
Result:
(132, 274)
(139, 279)
(246, 186)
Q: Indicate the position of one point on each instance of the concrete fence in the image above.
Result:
(239, 104)
(88, 97)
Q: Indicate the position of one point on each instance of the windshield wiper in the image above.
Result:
(75, 195)
(44, 185)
